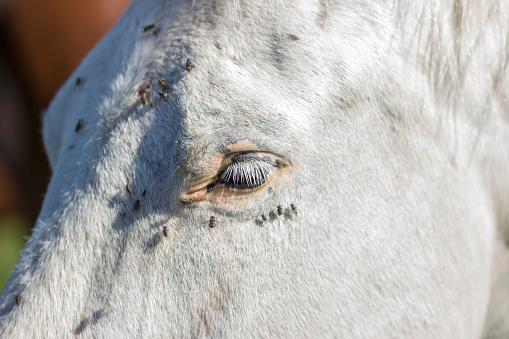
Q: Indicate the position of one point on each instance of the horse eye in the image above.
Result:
(239, 176)
(246, 171)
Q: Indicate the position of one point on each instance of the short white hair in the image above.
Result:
(462, 45)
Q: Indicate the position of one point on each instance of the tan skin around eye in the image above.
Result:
(207, 188)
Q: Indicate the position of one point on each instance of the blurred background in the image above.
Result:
(41, 43)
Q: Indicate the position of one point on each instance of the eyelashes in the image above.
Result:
(246, 171)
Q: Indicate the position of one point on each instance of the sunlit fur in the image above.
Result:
(395, 118)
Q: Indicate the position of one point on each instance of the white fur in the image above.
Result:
(394, 115)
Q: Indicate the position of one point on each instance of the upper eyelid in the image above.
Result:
(243, 156)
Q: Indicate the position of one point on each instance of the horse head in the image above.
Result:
(277, 169)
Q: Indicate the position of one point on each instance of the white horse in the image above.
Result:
(287, 168)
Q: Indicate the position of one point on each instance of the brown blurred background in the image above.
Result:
(41, 43)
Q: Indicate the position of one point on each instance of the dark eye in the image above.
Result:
(246, 171)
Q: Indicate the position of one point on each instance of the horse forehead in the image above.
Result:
(211, 69)
(214, 62)
(237, 61)
(217, 55)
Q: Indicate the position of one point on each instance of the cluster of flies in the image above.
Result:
(164, 86)
(144, 91)
(273, 215)
(279, 212)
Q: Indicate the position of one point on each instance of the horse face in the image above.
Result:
(252, 170)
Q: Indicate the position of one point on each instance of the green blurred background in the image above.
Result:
(41, 43)
(13, 232)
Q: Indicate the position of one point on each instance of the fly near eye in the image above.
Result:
(245, 172)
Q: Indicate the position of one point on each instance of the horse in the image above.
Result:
(238, 169)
